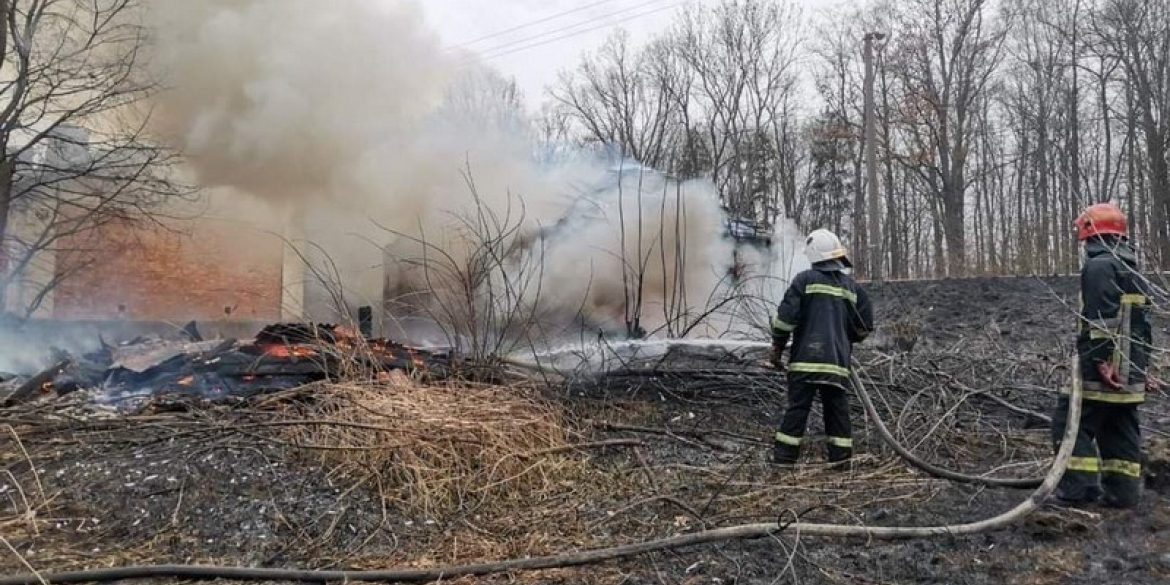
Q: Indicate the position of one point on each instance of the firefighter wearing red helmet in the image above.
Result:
(1114, 339)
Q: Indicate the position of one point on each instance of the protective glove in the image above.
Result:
(776, 358)
(1109, 375)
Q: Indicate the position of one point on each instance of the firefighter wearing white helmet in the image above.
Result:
(824, 312)
(823, 245)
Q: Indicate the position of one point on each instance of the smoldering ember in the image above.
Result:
(487, 292)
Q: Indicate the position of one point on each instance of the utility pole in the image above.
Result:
(874, 251)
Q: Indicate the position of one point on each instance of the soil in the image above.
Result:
(181, 489)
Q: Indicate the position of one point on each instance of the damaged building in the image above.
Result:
(146, 275)
(225, 270)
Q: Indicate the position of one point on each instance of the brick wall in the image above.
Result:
(210, 269)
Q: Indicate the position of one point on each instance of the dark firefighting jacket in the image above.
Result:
(824, 312)
(1114, 324)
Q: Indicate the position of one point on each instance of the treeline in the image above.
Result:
(995, 122)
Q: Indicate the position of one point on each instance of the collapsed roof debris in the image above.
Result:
(280, 357)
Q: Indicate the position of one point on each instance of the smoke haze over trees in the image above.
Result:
(996, 122)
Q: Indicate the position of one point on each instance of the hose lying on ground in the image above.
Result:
(746, 531)
(912, 459)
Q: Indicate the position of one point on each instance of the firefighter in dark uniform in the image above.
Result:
(1113, 346)
(824, 312)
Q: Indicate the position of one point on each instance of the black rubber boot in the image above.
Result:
(837, 454)
(1121, 495)
(783, 454)
(1082, 496)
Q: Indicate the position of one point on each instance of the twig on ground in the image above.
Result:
(583, 447)
(36, 576)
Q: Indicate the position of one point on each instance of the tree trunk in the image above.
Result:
(1160, 194)
(954, 228)
(893, 228)
(860, 251)
(980, 260)
(1074, 136)
(1045, 210)
(7, 167)
(1132, 168)
(1025, 260)
(938, 229)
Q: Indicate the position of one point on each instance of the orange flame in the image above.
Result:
(285, 351)
(342, 332)
(415, 359)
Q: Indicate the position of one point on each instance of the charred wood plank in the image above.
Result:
(239, 364)
(191, 332)
(366, 320)
(217, 351)
(295, 333)
(35, 383)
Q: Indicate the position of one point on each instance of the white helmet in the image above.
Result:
(823, 245)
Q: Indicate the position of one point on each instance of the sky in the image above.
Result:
(532, 40)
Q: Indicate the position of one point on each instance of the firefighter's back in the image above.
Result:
(822, 342)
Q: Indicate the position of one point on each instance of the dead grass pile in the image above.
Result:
(437, 450)
(22, 504)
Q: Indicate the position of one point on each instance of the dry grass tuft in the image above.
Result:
(436, 450)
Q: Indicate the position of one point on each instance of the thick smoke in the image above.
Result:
(351, 119)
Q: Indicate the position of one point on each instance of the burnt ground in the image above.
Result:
(215, 485)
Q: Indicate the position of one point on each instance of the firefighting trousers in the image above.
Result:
(1106, 459)
(838, 428)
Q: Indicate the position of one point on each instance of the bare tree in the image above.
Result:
(711, 97)
(1138, 32)
(481, 96)
(479, 280)
(614, 96)
(952, 48)
(997, 122)
(552, 132)
(839, 191)
(74, 156)
(742, 56)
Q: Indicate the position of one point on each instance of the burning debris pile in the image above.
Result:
(281, 356)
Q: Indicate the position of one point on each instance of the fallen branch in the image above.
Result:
(668, 499)
(608, 426)
(1017, 409)
(583, 447)
(746, 531)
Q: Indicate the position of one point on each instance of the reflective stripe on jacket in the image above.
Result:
(825, 312)
(1114, 325)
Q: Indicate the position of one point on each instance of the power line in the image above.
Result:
(580, 32)
(571, 26)
(493, 52)
(532, 23)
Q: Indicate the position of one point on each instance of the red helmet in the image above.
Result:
(1101, 219)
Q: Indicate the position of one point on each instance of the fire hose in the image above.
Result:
(744, 531)
(932, 469)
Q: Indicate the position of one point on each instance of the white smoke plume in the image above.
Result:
(351, 115)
